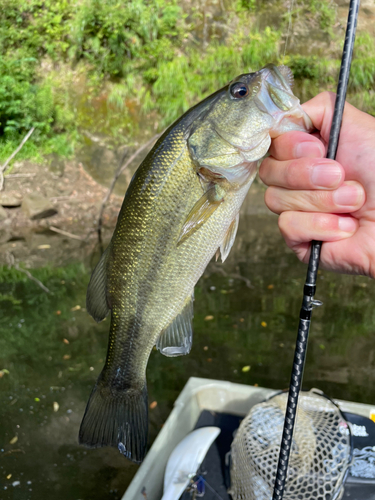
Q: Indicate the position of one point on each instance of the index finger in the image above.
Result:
(293, 145)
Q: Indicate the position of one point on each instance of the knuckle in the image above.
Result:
(293, 174)
(264, 170)
(325, 223)
(285, 222)
(318, 201)
(328, 96)
(270, 198)
(303, 252)
(323, 200)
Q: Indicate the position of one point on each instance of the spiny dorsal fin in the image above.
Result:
(201, 212)
(229, 238)
(96, 298)
(287, 74)
(177, 338)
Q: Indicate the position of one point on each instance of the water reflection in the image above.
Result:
(245, 316)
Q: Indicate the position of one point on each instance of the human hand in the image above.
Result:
(321, 199)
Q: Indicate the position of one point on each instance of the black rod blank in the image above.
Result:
(308, 302)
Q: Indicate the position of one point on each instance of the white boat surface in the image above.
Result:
(203, 394)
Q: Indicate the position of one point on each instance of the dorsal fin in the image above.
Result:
(287, 74)
(177, 338)
(96, 298)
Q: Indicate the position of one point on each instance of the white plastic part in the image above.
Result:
(185, 460)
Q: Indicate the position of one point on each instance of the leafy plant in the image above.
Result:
(102, 64)
(325, 11)
(115, 38)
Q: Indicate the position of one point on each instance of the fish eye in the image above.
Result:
(239, 90)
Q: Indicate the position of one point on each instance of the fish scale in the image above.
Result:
(180, 207)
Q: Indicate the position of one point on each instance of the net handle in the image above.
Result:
(308, 302)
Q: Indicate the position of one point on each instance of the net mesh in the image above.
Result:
(319, 457)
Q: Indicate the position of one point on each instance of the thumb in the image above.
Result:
(320, 109)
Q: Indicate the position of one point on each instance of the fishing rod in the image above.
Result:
(308, 302)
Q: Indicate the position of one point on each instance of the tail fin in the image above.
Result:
(116, 418)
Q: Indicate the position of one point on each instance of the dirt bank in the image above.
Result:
(75, 197)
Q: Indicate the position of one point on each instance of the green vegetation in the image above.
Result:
(324, 11)
(109, 65)
(43, 41)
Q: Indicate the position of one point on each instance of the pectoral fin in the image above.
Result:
(177, 338)
(201, 212)
(229, 238)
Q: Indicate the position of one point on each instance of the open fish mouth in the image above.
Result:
(298, 117)
(275, 98)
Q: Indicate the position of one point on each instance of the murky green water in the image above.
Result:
(54, 351)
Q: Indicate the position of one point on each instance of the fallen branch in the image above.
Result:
(220, 270)
(30, 276)
(59, 198)
(9, 452)
(13, 263)
(4, 166)
(119, 171)
(17, 176)
(65, 233)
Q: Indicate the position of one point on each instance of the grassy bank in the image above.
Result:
(115, 67)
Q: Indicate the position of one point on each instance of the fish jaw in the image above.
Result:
(295, 120)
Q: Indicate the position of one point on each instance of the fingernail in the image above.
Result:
(346, 196)
(347, 224)
(326, 174)
(309, 150)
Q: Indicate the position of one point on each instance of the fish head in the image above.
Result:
(240, 122)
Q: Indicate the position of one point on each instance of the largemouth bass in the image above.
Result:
(181, 206)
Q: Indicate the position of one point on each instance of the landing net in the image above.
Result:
(319, 458)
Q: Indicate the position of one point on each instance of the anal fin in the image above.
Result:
(229, 238)
(96, 298)
(177, 338)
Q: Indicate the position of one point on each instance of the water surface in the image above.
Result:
(246, 315)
